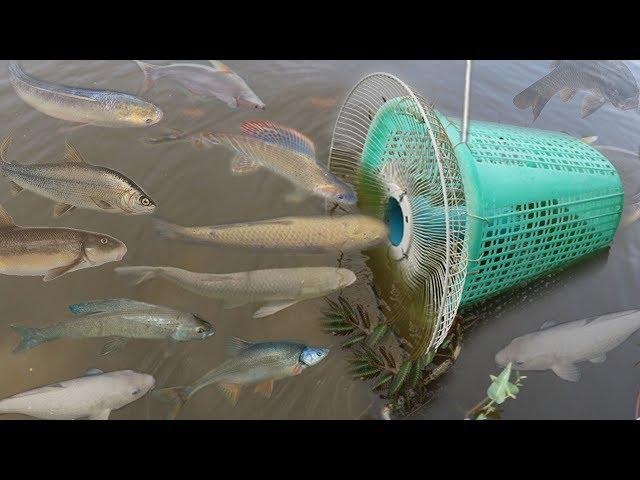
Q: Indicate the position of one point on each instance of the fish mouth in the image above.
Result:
(122, 253)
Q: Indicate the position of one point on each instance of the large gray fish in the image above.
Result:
(91, 397)
(279, 288)
(279, 149)
(605, 80)
(102, 108)
(53, 252)
(215, 80)
(121, 319)
(75, 183)
(257, 364)
(561, 347)
(318, 234)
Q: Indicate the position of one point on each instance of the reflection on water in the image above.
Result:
(196, 187)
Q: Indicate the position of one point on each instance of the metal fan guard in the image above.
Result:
(415, 145)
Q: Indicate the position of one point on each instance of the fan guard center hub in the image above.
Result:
(400, 222)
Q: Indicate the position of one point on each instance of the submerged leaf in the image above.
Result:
(501, 387)
(400, 377)
(384, 380)
(378, 334)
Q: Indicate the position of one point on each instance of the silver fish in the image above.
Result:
(279, 287)
(75, 183)
(214, 80)
(80, 105)
(121, 319)
(561, 347)
(53, 252)
(279, 149)
(91, 397)
(250, 364)
(318, 234)
(605, 80)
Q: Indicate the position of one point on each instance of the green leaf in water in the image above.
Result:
(377, 334)
(400, 377)
(501, 388)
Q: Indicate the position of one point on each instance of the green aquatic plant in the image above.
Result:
(499, 391)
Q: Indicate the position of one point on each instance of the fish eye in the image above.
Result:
(340, 196)
(148, 121)
(519, 363)
(200, 330)
(103, 241)
(145, 201)
(135, 392)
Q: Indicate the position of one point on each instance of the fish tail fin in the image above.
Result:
(175, 397)
(29, 338)
(151, 74)
(538, 94)
(137, 275)
(168, 230)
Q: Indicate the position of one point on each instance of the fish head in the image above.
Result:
(311, 356)
(100, 248)
(192, 327)
(524, 353)
(249, 100)
(336, 190)
(137, 112)
(620, 87)
(136, 202)
(128, 385)
(345, 277)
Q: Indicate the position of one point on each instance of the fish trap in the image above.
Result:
(466, 220)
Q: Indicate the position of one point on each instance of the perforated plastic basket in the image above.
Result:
(468, 221)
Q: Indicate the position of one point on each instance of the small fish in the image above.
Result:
(53, 252)
(75, 183)
(257, 364)
(323, 102)
(90, 397)
(561, 347)
(281, 150)
(215, 80)
(102, 108)
(121, 319)
(278, 288)
(605, 80)
(192, 112)
(317, 234)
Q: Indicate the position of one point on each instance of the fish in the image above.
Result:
(53, 252)
(250, 363)
(92, 396)
(74, 183)
(277, 288)
(213, 80)
(121, 319)
(606, 81)
(561, 347)
(315, 234)
(278, 149)
(103, 108)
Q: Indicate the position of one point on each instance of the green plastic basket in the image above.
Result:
(468, 220)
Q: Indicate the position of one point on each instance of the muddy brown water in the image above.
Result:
(194, 187)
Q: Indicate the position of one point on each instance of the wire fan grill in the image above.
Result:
(390, 145)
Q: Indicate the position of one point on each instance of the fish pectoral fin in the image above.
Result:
(113, 345)
(567, 371)
(102, 204)
(599, 359)
(265, 388)
(5, 219)
(547, 324)
(231, 391)
(590, 104)
(72, 154)
(61, 208)
(590, 139)
(59, 271)
(14, 188)
(93, 371)
(101, 415)
(566, 94)
(273, 307)
(241, 165)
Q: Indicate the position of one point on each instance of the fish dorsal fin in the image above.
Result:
(93, 371)
(547, 324)
(108, 305)
(71, 153)
(236, 345)
(276, 134)
(218, 65)
(5, 219)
